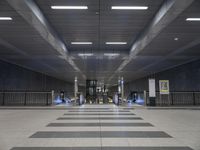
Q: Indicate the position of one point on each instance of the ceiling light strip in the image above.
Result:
(81, 43)
(129, 7)
(193, 19)
(85, 54)
(116, 43)
(111, 54)
(69, 7)
(5, 18)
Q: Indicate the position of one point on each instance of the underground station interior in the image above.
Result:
(99, 74)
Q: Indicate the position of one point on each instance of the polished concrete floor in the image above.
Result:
(99, 127)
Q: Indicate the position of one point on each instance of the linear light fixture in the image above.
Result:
(5, 18)
(82, 43)
(111, 54)
(116, 43)
(176, 39)
(69, 7)
(85, 54)
(129, 7)
(193, 19)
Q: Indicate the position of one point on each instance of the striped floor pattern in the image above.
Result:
(100, 127)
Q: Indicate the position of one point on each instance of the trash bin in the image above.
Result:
(152, 101)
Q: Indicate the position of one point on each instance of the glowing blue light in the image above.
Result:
(58, 100)
(139, 101)
(129, 104)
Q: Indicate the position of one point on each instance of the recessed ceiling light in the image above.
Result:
(69, 7)
(176, 39)
(85, 54)
(111, 54)
(116, 43)
(81, 43)
(193, 19)
(5, 18)
(130, 7)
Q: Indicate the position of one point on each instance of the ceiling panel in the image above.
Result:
(98, 24)
(107, 25)
(21, 44)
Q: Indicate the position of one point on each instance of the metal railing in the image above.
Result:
(175, 98)
(26, 98)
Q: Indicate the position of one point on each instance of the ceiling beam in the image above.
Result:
(34, 16)
(167, 13)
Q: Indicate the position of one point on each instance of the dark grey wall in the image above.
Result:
(13, 77)
(112, 90)
(182, 78)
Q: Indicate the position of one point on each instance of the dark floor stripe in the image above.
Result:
(90, 108)
(171, 108)
(99, 111)
(101, 148)
(93, 114)
(103, 134)
(128, 108)
(25, 108)
(57, 108)
(99, 124)
(99, 118)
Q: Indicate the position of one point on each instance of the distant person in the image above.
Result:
(134, 97)
(62, 96)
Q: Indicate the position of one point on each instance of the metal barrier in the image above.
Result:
(175, 98)
(26, 98)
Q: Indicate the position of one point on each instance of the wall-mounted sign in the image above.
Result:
(164, 86)
(152, 88)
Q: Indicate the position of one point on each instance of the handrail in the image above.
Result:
(23, 92)
(28, 97)
(172, 91)
(174, 98)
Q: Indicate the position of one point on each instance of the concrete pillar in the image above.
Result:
(52, 97)
(145, 98)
